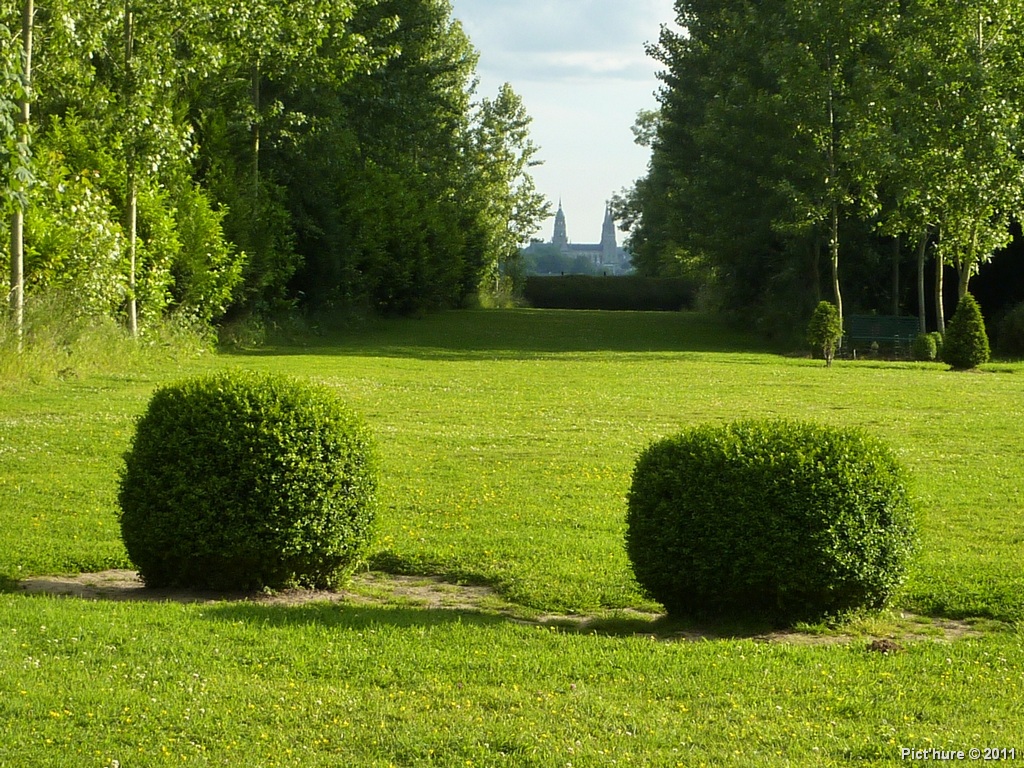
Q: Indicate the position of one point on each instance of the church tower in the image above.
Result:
(560, 238)
(609, 248)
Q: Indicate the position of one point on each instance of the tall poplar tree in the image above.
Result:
(17, 77)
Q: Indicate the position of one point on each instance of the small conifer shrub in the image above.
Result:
(825, 330)
(925, 349)
(244, 481)
(965, 345)
(769, 519)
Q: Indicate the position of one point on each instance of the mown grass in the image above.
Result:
(508, 441)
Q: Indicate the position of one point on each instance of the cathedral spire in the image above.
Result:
(560, 238)
(609, 246)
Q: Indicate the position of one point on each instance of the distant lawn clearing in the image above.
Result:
(508, 441)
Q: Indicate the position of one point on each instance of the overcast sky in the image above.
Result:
(580, 67)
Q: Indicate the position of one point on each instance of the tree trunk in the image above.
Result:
(834, 249)
(965, 279)
(966, 265)
(922, 251)
(132, 219)
(256, 106)
(131, 192)
(940, 315)
(834, 233)
(17, 296)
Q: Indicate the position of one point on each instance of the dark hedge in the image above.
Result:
(622, 292)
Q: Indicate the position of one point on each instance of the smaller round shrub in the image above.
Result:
(1010, 339)
(825, 330)
(937, 335)
(242, 480)
(925, 348)
(966, 344)
(790, 520)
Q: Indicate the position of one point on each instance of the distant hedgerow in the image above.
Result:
(242, 481)
(790, 519)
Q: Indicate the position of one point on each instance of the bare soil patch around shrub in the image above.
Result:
(376, 588)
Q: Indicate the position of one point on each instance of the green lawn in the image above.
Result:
(508, 441)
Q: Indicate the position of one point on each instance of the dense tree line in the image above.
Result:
(808, 150)
(211, 157)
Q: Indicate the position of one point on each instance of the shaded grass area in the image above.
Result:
(517, 334)
(508, 441)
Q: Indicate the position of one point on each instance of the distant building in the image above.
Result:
(605, 256)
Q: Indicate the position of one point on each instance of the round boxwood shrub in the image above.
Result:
(770, 519)
(965, 345)
(242, 480)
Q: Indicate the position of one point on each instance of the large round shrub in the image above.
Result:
(965, 345)
(242, 480)
(784, 519)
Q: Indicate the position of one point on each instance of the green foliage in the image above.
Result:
(242, 481)
(627, 292)
(925, 348)
(1010, 338)
(966, 343)
(327, 152)
(794, 519)
(74, 243)
(503, 153)
(825, 330)
(207, 269)
(775, 148)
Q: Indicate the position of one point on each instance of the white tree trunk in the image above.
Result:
(17, 296)
(131, 192)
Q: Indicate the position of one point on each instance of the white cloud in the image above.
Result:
(581, 68)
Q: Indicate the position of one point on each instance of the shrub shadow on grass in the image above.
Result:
(624, 625)
(662, 627)
(391, 564)
(387, 600)
(347, 616)
(8, 584)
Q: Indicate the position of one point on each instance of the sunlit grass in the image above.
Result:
(508, 441)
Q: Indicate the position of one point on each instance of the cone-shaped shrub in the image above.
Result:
(825, 330)
(243, 481)
(786, 520)
(965, 344)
